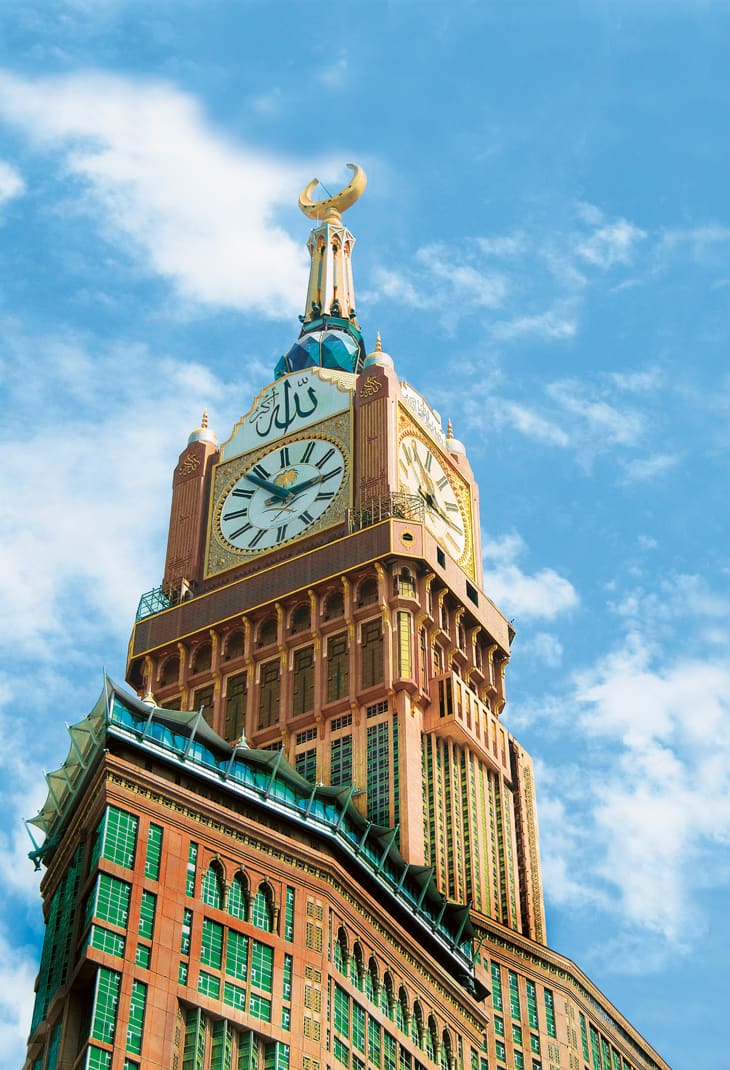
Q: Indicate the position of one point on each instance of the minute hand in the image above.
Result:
(278, 492)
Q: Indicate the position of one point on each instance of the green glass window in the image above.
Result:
(211, 946)
(371, 650)
(248, 1051)
(192, 864)
(194, 1044)
(606, 1052)
(499, 1025)
(269, 692)
(287, 976)
(137, 1004)
(262, 916)
(262, 966)
(378, 758)
(286, 1017)
(53, 1046)
(342, 1011)
(532, 1005)
(514, 994)
(182, 973)
(496, 987)
(341, 1051)
(374, 1045)
(236, 901)
(209, 985)
(234, 995)
(236, 695)
(142, 956)
(500, 1050)
(405, 660)
(595, 1048)
(517, 1035)
(341, 760)
(211, 891)
(389, 1051)
(104, 1011)
(289, 915)
(109, 900)
(358, 1027)
(221, 1048)
(147, 908)
(187, 928)
(519, 1061)
(236, 955)
(258, 1007)
(106, 940)
(116, 837)
(306, 764)
(276, 1056)
(154, 853)
(584, 1036)
(535, 1043)
(97, 1059)
(550, 1013)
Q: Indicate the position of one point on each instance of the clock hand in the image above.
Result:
(424, 474)
(297, 489)
(435, 508)
(278, 492)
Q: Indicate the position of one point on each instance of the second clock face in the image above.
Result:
(422, 474)
(281, 496)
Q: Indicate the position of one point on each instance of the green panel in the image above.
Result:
(211, 947)
(358, 1027)
(120, 837)
(236, 955)
(236, 902)
(154, 853)
(532, 1004)
(148, 906)
(97, 1059)
(287, 976)
(194, 1046)
(221, 1051)
(106, 999)
(130, 1064)
(550, 1013)
(142, 956)
(182, 973)
(374, 1045)
(389, 1051)
(262, 966)
(276, 1056)
(105, 940)
(209, 985)
(261, 912)
(53, 1046)
(211, 892)
(342, 1011)
(58, 939)
(341, 1052)
(514, 994)
(234, 996)
(109, 900)
(584, 1036)
(187, 928)
(192, 865)
(248, 1052)
(258, 1007)
(496, 987)
(137, 1005)
(289, 915)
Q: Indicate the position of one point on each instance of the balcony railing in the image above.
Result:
(153, 601)
(387, 507)
(457, 713)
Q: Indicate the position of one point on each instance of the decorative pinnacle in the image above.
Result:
(204, 419)
(378, 343)
(331, 208)
(449, 429)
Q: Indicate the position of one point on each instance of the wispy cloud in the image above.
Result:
(196, 208)
(11, 183)
(541, 595)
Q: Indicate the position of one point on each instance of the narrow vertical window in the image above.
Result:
(154, 853)
(372, 653)
(405, 661)
(269, 692)
(236, 695)
(136, 1017)
(303, 689)
(338, 668)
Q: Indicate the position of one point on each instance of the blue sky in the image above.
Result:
(543, 245)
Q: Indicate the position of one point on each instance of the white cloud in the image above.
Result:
(612, 243)
(543, 595)
(605, 422)
(18, 966)
(11, 183)
(197, 209)
(552, 325)
(532, 424)
(546, 648)
(644, 469)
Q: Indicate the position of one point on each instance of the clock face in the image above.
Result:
(280, 496)
(423, 475)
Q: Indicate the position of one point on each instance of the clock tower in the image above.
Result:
(309, 841)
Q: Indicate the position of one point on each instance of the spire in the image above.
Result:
(330, 336)
(331, 290)
(203, 433)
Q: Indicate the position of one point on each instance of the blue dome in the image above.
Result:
(327, 347)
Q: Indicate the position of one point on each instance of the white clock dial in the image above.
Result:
(422, 474)
(282, 495)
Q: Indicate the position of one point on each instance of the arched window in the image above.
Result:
(404, 584)
(342, 952)
(417, 1025)
(432, 1038)
(237, 902)
(357, 966)
(170, 670)
(301, 618)
(262, 909)
(202, 657)
(446, 1051)
(402, 1014)
(211, 891)
(368, 591)
(234, 645)
(334, 606)
(268, 630)
(372, 981)
(387, 996)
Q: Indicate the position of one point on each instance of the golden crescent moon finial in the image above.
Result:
(332, 207)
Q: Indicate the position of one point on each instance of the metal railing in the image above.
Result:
(389, 506)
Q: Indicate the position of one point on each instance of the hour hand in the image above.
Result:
(278, 492)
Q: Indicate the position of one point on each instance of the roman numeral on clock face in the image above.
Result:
(441, 483)
(323, 460)
(240, 531)
(325, 496)
(306, 517)
(235, 514)
(284, 457)
(261, 472)
(257, 538)
(242, 492)
(281, 533)
(329, 475)
(308, 451)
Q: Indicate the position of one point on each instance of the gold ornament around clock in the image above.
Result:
(447, 512)
(279, 494)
